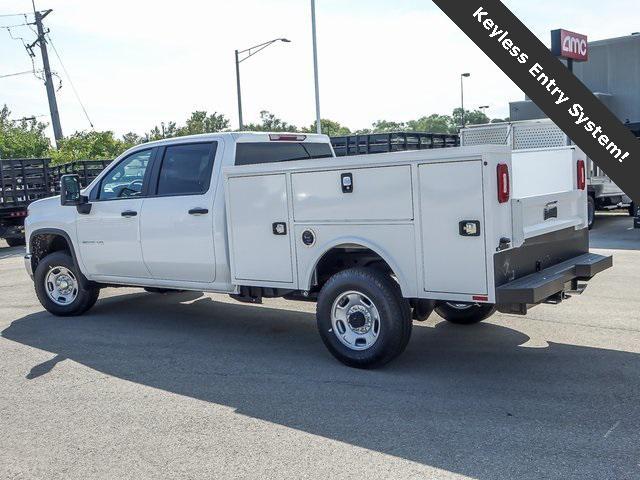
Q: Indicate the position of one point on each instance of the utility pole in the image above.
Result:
(240, 122)
(315, 65)
(51, 93)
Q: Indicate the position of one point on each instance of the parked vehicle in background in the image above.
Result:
(604, 194)
(375, 240)
(26, 180)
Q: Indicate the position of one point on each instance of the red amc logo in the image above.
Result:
(568, 44)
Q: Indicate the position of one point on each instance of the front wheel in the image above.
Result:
(59, 286)
(362, 318)
(465, 313)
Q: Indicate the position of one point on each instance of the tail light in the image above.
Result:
(582, 175)
(504, 188)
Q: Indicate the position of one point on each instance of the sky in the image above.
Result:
(137, 63)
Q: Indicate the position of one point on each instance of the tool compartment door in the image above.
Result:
(454, 261)
(260, 247)
(368, 194)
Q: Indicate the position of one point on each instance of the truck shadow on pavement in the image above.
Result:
(470, 400)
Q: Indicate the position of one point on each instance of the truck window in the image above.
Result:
(186, 169)
(126, 178)
(270, 152)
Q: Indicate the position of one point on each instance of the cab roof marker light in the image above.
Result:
(287, 138)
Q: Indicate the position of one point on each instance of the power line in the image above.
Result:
(15, 25)
(15, 14)
(16, 74)
(73, 87)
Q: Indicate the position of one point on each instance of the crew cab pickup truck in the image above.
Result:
(375, 240)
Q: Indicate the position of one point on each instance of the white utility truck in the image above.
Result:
(541, 138)
(375, 240)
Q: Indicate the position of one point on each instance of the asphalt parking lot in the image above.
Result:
(198, 386)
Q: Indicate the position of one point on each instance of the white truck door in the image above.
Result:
(109, 236)
(176, 224)
(454, 260)
(259, 228)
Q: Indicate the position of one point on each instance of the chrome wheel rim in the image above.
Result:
(61, 286)
(355, 320)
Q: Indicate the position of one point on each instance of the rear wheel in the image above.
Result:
(59, 286)
(465, 313)
(591, 211)
(15, 242)
(362, 318)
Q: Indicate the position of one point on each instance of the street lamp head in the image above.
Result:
(466, 75)
(285, 40)
(482, 107)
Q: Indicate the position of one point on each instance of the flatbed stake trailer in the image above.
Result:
(25, 180)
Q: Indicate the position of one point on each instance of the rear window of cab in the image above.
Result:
(272, 152)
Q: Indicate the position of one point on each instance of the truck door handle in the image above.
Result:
(198, 211)
(129, 213)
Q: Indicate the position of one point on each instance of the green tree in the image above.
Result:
(201, 122)
(382, 126)
(131, 139)
(88, 146)
(168, 130)
(23, 138)
(329, 127)
(471, 117)
(434, 123)
(270, 123)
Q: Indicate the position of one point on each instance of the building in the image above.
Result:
(612, 73)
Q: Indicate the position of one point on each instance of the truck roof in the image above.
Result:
(244, 137)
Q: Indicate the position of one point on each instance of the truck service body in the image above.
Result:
(545, 136)
(374, 239)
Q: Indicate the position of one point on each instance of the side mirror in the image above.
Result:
(70, 191)
(70, 194)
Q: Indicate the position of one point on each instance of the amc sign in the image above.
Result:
(571, 45)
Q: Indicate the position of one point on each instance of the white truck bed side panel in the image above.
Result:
(255, 204)
(452, 192)
(381, 193)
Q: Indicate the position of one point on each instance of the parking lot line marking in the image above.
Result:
(615, 425)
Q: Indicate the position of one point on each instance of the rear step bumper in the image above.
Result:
(540, 286)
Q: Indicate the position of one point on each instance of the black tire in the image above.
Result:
(394, 328)
(465, 313)
(85, 298)
(422, 309)
(15, 242)
(591, 211)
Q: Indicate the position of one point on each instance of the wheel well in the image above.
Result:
(43, 244)
(343, 257)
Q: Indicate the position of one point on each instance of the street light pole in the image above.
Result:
(315, 66)
(250, 52)
(241, 124)
(462, 77)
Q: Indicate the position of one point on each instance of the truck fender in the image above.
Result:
(309, 274)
